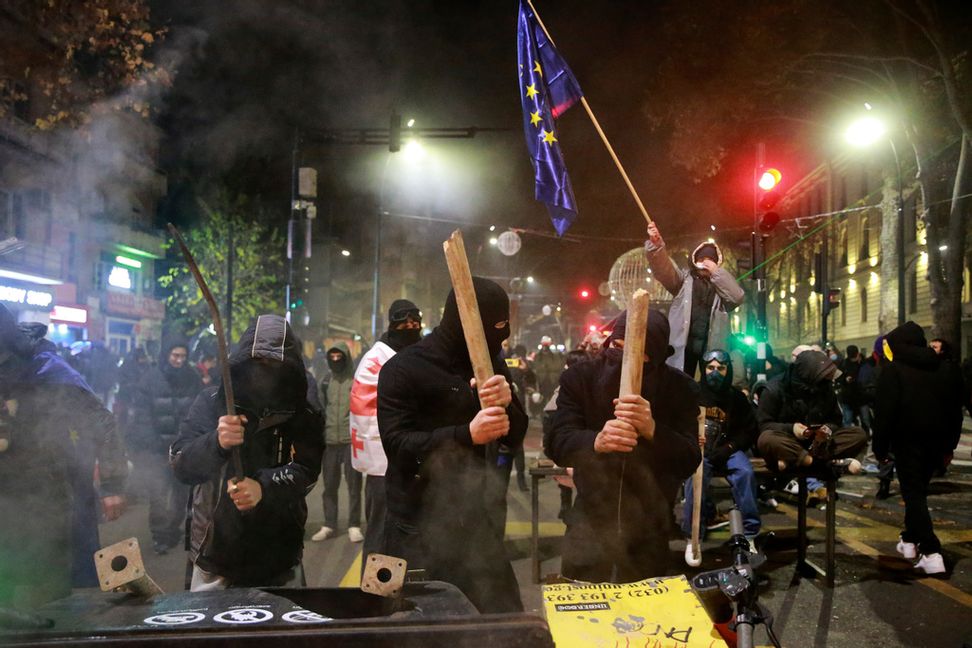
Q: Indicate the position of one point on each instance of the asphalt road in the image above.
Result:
(878, 599)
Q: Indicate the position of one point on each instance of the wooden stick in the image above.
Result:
(472, 321)
(633, 360)
(697, 497)
(220, 341)
(600, 131)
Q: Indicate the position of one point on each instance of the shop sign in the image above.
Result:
(26, 296)
(117, 303)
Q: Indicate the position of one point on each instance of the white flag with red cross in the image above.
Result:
(367, 455)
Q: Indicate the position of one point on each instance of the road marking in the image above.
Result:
(939, 586)
(514, 528)
(352, 577)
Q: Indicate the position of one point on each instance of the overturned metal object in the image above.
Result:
(383, 575)
(120, 567)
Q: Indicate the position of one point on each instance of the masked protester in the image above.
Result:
(800, 421)
(336, 396)
(448, 460)
(250, 533)
(703, 296)
(162, 400)
(367, 455)
(730, 430)
(918, 419)
(628, 456)
(53, 429)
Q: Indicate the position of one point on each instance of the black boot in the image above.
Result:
(884, 490)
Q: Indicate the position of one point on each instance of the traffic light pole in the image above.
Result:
(825, 291)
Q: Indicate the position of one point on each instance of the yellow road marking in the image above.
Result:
(844, 535)
(514, 528)
(352, 577)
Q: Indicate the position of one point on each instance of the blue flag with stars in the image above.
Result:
(547, 89)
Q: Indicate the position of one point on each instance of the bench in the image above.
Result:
(545, 468)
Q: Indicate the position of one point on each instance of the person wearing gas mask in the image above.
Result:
(448, 459)
(628, 456)
(336, 396)
(250, 532)
(730, 430)
(703, 295)
(367, 455)
(800, 421)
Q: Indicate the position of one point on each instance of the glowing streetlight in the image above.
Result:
(410, 123)
(346, 253)
(493, 240)
(865, 131)
(530, 279)
(413, 151)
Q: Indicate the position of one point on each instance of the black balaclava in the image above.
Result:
(494, 307)
(339, 367)
(714, 390)
(656, 338)
(398, 340)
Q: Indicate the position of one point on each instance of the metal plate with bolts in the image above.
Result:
(383, 575)
(120, 566)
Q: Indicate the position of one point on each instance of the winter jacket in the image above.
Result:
(728, 295)
(282, 450)
(623, 499)
(162, 400)
(336, 395)
(802, 394)
(730, 421)
(53, 429)
(918, 408)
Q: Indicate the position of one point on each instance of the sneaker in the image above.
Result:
(355, 535)
(907, 549)
(931, 564)
(850, 466)
(719, 521)
(771, 502)
(325, 533)
(792, 488)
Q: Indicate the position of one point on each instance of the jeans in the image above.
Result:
(742, 480)
(860, 412)
(337, 459)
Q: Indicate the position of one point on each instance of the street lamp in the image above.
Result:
(864, 132)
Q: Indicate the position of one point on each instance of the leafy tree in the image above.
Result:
(784, 70)
(257, 268)
(91, 50)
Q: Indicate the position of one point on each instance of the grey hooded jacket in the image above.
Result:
(679, 283)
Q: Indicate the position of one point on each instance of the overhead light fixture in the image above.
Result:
(131, 263)
(22, 276)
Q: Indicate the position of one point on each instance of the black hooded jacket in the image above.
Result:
(918, 405)
(804, 393)
(425, 405)
(600, 527)
(282, 450)
(730, 419)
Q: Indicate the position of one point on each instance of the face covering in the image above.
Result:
(398, 340)
(714, 379)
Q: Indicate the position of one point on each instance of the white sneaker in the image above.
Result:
(931, 564)
(355, 535)
(325, 533)
(792, 488)
(907, 549)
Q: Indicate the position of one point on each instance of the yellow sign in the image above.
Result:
(653, 613)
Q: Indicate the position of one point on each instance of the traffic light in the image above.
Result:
(768, 194)
(584, 293)
(395, 133)
(833, 300)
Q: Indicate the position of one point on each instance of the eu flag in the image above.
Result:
(547, 89)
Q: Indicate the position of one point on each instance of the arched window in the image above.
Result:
(842, 245)
(863, 304)
(865, 239)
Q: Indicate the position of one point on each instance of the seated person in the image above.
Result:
(800, 421)
(730, 430)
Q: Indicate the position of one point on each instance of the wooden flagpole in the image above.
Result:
(600, 131)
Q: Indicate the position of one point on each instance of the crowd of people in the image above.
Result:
(435, 452)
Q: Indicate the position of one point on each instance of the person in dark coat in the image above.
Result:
(628, 457)
(162, 400)
(800, 421)
(449, 461)
(918, 419)
(730, 431)
(53, 429)
(250, 532)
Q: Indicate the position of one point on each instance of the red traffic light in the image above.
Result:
(769, 179)
(584, 293)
